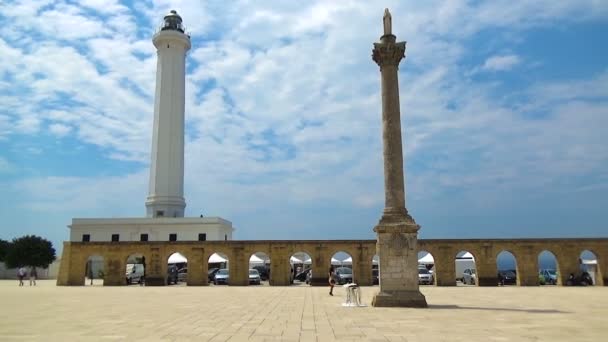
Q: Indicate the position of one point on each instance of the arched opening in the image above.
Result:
(507, 268)
(426, 268)
(376, 270)
(342, 264)
(466, 271)
(259, 269)
(135, 272)
(301, 268)
(177, 269)
(588, 266)
(548, 269)
(218, 273)
(94, 271)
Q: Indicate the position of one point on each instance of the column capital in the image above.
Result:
(388, 52)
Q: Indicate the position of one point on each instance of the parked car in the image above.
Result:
(583, 279)
(211, 273)
(134, 273)
(302, 275)
(172, 275)
(222, 277)
(309, 276)
(547, 277)
(469, 276)
(182, 274)
(425, 277)
(344, 275)
(263, 270)
(508, 277)
(375, 276)
(254, 277)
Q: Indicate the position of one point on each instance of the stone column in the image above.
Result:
(279, 266)
(527, 266)
(487, 271)
(239, 267)
(321, 261)
(156, 268)
(197, 267)
(114, 270)
(397, 232)
(65, 267)
(445, 267)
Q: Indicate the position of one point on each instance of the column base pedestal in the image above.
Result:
(402, 299)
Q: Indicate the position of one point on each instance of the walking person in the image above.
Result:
(33, 275)
(332, 280)
(90, 274)
(21, 274)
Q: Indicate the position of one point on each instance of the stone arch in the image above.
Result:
(344, 264)
(376, 269)
(261, 262)
(548, 268)
(589, 263)
(177, 268)
(426, 266)
(94, 269)
(135, 268)
(300, 264)
(465, 267)
(217, 263)
(507, 266)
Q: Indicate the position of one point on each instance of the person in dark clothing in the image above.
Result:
(332, 280)
(33, 275)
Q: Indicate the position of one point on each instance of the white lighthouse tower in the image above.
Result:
(166, 189)
(165, 203)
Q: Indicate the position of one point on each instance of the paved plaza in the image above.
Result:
(297, 313)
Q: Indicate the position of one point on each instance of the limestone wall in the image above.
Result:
(444, 251)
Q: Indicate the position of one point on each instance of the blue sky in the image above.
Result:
(504, 110)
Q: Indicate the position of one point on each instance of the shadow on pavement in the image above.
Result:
(494, 309)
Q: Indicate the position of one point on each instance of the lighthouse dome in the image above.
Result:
(173, 21)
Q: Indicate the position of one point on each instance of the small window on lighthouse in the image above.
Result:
(160, 213)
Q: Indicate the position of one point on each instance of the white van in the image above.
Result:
(463, 264)
(134, 273)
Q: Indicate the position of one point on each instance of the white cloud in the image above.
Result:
(283, 100)
(59, 130)
(501, 63)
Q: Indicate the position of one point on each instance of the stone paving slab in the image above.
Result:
(299, 313)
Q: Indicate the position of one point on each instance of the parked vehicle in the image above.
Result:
(134, 273)
(263, 270)
(222, 277)
(172, 275)
(182, 274)
(254, 277)
(211, 273)
(425, 277)
(302, 275)
(469, 276)
(462, 264)
(344, 275)
(583, 279)
(375, 276)
(547, 277)
(508, 277)
(309, 276)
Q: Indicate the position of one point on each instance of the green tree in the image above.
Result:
(4, 246)
(30, 250)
